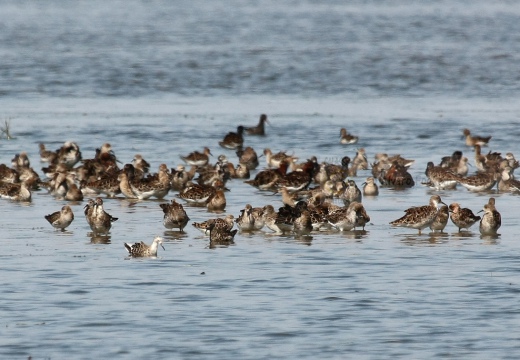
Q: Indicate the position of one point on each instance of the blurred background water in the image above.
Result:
(304, 48)
(165, 78)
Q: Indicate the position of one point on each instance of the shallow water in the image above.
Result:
(165, 78)
(384, 293)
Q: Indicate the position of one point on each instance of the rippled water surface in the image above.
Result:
(384, 293)
(166, 78)
(367, 48)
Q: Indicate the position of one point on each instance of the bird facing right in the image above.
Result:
(143, 250)
(420, 217)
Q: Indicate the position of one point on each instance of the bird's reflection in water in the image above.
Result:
(170, 235)
(461, 235)
(433, 238)
(214, 244)
(490, 239)
(355, 234)
(304, 240)
(99, 239)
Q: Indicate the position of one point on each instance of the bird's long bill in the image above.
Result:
(163, 247)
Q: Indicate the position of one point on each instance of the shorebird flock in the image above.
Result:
(317, 196)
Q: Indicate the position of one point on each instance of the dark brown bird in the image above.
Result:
(258, 129)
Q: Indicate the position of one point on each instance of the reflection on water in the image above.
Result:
(464, 235)
(99, 239)
(172, 235)
(355, 234)
(304, 239)
(490, 239)
(214, 244)
(433, 238)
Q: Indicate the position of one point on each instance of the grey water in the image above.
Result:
(163, 79)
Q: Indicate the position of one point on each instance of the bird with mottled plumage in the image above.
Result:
(175, 216)
(348, 218)
(16, 192)
(441, 219)
(197, 194)
(98, 219)
(441, 178)
(179, 177)
(196, 158)
(157, 185)
(8, 175)
(351, 193)
(463, 218)
(219, 235)
(302, 224)
(491, 220)
(226, 223)
(482, 181)
(108, 185)
(420, 217)
(475, 140)
(61, 219)
(210, 174)
(287, 215)
(298, 180)
(143, 250)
